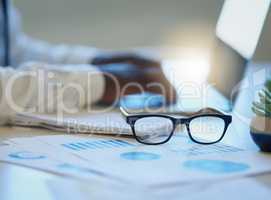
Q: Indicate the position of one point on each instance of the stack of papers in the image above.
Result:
(104, 123)
(125, 161)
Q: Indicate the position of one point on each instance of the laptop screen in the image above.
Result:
(240, 24)
(238, 31)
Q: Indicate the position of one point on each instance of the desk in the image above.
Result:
(13, 177)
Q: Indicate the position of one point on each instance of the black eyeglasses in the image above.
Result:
(207, 126)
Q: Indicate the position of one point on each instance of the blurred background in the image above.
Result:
(122, 24)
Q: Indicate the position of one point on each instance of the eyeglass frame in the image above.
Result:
(131, 119)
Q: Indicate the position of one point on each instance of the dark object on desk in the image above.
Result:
(132, 75)
(260, 131)
(260, 127)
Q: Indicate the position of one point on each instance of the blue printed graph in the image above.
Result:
(140, 156)
(26, 155)
(98, 144)
(215, 166)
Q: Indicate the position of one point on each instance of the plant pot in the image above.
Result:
(260, 131)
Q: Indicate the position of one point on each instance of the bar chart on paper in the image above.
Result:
(98, 144)
(181, 145)
(115, 157)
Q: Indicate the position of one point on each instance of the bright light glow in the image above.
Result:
(187, 68)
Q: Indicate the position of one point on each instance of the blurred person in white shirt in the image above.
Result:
(96, 72)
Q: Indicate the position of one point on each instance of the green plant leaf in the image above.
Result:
(267, 92)
(264, 98)
(259, 112)
(262, 107)
(268, 85)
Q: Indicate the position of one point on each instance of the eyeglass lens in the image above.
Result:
(207, 129)
(153, 130)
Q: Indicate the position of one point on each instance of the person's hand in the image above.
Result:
(132, 74)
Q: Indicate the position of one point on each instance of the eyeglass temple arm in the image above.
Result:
(206, 110)
(124, 112)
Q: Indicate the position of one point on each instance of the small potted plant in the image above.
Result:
(260, 127)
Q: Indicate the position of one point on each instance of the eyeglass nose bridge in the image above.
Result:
(182, 121)
(131, 120)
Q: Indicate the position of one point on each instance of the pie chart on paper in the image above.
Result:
(215, 166)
